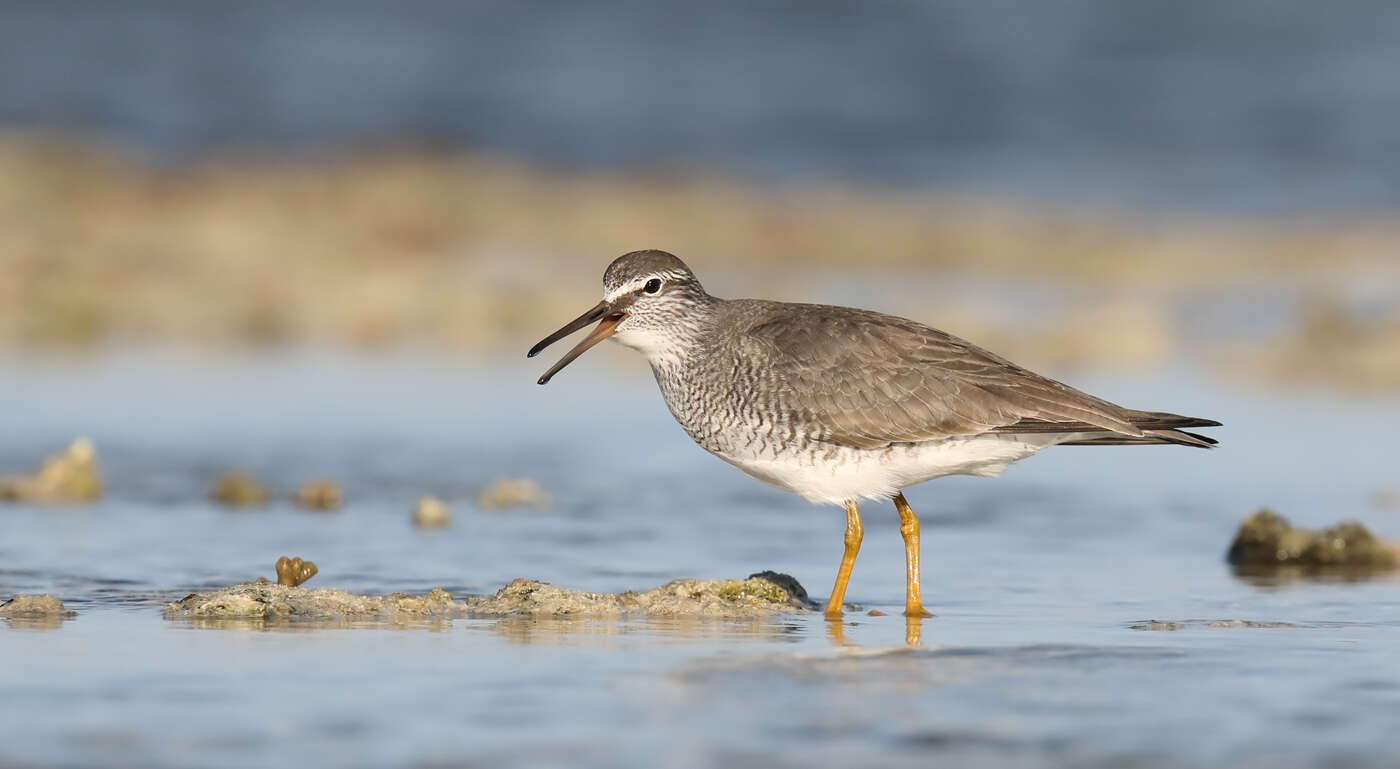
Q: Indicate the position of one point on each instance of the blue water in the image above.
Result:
(1037, 580)
(1273, 107)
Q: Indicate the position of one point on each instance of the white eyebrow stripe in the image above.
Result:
(633, 285)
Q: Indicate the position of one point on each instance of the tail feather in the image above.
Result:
(1158, 428)
(1149, 420)
(1153, 437)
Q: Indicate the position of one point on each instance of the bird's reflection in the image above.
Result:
(913, 633)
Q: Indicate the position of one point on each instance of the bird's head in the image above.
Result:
(650, 299)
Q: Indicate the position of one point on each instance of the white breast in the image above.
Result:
(841, 473)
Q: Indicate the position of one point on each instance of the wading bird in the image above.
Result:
(839, 404)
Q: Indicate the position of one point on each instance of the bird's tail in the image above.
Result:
(1158, 428)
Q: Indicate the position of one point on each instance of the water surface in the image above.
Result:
(1038, 579)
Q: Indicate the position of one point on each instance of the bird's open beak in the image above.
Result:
(606, 328)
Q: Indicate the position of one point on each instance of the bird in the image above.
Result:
(841, 405)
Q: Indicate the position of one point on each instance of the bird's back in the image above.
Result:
(777, 374)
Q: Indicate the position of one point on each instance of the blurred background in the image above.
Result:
(1075, 182)
(311, 242)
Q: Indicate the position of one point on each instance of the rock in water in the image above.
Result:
(431, 513)
(34, 606)
(506, 493)
(752, 597)
(320, 495)
(236, 489)
(1267, 545)
(35, 612)
(68, 477)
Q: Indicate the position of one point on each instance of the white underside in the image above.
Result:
(844, 473)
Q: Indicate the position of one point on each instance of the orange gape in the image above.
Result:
(909, 527)
(854, 534)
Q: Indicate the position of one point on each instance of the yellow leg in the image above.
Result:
(909, 527)
(913, 630)
(836, 631)
(854, 534)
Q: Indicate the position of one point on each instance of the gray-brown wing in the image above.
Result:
(867, 380)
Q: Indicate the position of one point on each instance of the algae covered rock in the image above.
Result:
(758, 595)
(236, 489)
(507, 493)
(34, 606)
(267, 600)
(755, 596)
(68, 477)
(320, 494)
(1267, 544)
(35, 612)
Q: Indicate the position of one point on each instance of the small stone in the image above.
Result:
(875, 613)
(236, 489)
(320, 494)
(68, 477)
(431, 513)
(294, 571)
(507, 493)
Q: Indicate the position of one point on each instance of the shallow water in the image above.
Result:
(1040, 581)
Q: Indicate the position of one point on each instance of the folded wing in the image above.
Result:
(870, 380)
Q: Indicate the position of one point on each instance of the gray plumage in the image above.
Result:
(761, 382)
(866, 380)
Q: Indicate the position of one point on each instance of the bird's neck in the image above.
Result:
(680, 341)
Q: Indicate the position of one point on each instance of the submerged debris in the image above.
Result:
(236, 489)
(756, 596)
(431, 513)
(68, 477)
(294, 571)
(1210, 624)
(506, 493)
(320, 494)
(1268, 545)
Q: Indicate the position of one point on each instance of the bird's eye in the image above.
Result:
(652, 286)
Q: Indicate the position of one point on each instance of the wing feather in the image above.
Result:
(869, 380)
